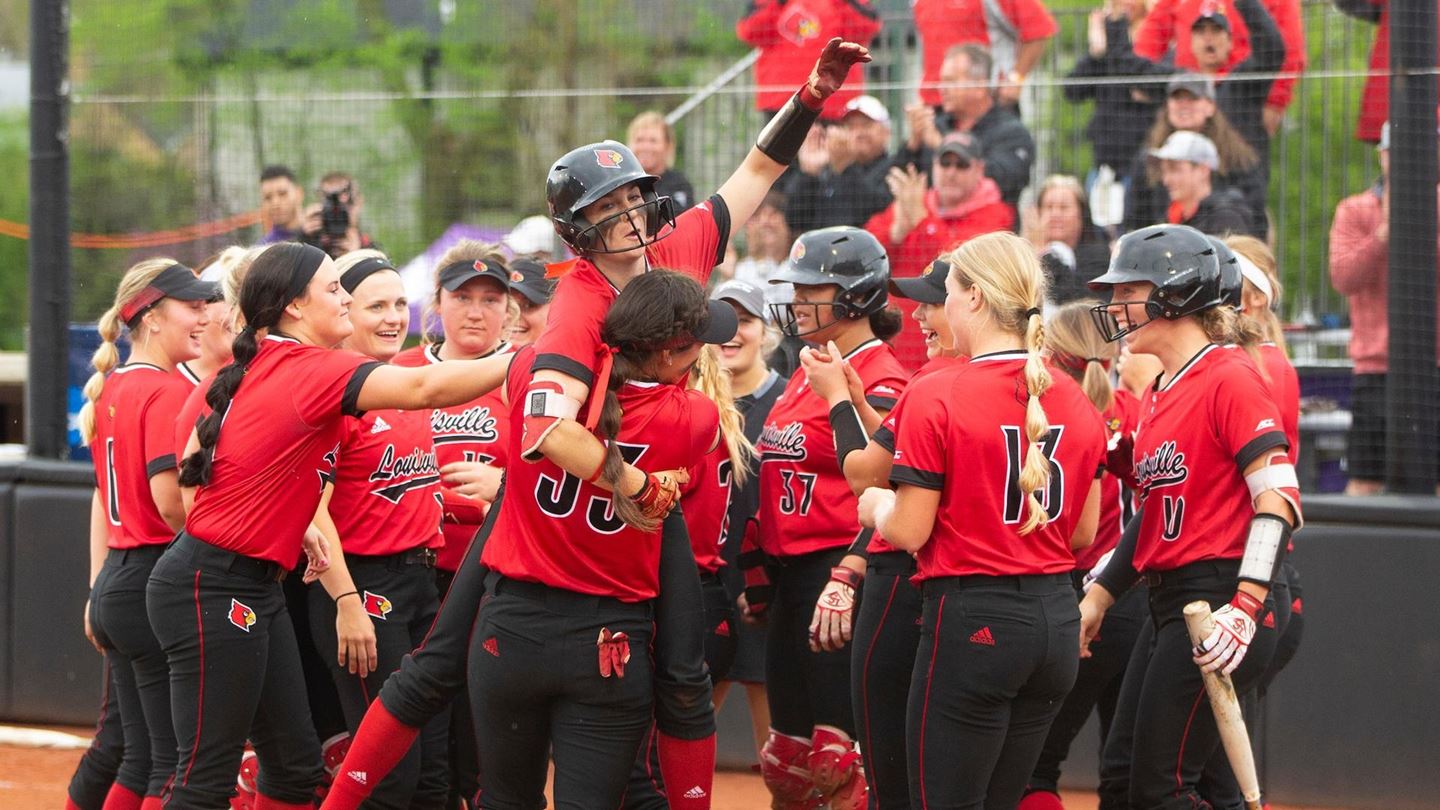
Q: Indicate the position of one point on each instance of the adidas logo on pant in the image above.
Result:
(982, 636)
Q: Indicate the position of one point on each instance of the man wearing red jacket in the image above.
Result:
(921, 224)
(787, 32)
(1170, 23)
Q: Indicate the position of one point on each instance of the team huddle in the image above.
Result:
(510, 550)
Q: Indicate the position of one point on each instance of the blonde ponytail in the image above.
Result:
(711, 379)
(1080, 350)
(107, 356)
(1005, 269)
(1263, 258)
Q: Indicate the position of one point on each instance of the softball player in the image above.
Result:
(126, 421)
(214, 598)
(992, 498)
(887, 623)
(1210, 410)
(840, 277)
(219, 334)
(531, 291)
(1077, 349)
(94, 776)
(572, 581)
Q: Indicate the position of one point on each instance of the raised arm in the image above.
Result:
(437, 385)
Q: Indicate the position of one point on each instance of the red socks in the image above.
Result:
(1040, 800)
(379, 743)
(122, 798)
(152, 803)
(70, 804)
(688, 767)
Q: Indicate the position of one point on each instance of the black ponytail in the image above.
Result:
(886, 322)
(268, 288)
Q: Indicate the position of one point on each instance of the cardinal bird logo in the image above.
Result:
(799, 26)
(241, 615)
(377, 606)
(608, 158)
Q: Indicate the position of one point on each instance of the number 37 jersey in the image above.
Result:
(805, 503)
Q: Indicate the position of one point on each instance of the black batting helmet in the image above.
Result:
(851, 259)
(1177, 259)
(1232, 284)
(585, 175)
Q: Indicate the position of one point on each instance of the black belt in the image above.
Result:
(712, 579)
(1024, 583)
(1202, 570)
(893, 563)
(205, 555)
(134, 556)
(560, 600)
(398, 560)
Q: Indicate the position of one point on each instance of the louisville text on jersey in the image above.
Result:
(474, 424)
(782, 443)
(1163, 468)
(416, 470)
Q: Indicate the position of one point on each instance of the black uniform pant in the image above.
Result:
(882, 657)
(325, 711)
(1097, 686)
(234, 671)
(1163, 743)
(997, 656)
(141, 676)
(804, 688)
(401, 589)
(1289, 642)
(537, 690)
(462, 752)
(101, 761)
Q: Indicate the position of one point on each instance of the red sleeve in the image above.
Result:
(190, 414)
(1286, 14)
(1032, 20)
(158, 443)
(884, 392)
(861, 22)
(572, 334)
(698, 242)
(704, 424)
(1243, 414)
(327, 384)
(758, 27)
(921, 441)
(1153, 38)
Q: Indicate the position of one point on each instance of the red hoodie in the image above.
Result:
(790, 36)
(1168, 23)
(982, 212)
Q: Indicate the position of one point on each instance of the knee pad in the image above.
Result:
(834, 766)
(783, 767)
(246, 781)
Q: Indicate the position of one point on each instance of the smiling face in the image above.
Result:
(380, 314)
(219, 336)
(935, 328)
(176, 328)
(743, 351)
(620, 230)
(323, 312)
(530, 324)
(1187, 111)
(1186, 182)
(1129, 312)
(473, 316)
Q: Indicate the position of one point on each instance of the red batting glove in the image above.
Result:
(830, 625)
(1225, 647)
(660, 493)
(830, 70)
(614, 652)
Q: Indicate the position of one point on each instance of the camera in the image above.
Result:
(335, 214)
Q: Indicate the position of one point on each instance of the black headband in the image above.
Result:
(362, 270)
(308, 261)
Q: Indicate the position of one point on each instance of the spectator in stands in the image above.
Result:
(1072, 250)
(652, 140)
(1375, 100)
(1015, 31)
(970, 107)
(789, 33)
(921, 224)
(841, 176)
(1359, 270)
(1190, 106)
(333, 225)
(1188, 161)
(767, 245)
(533, 238)
(281, 200)
(1122, 112)
(1243, 100)
(1164, 32)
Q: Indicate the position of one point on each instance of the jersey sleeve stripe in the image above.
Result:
(349, 403)
(1258, 445)
(880, 403)
(160, 464)
(885, 437)
(565, 365)
(901, 474)
(721, 212)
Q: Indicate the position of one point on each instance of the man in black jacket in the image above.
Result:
(1187, 161)
(841, 170)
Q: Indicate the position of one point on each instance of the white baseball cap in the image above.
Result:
(870, 107)
(533, 235)
(1191, 146)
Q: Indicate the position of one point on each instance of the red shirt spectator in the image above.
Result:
(1375, 101)
(1169, 23)
(943, 24)
(788, 35)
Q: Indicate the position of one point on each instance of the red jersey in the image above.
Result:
(1120, 420)
(557, 530)
(943, 24)
(387, 484)
(885, 434)
(134, 419)
(1196, 436)
(278, 448)
(705, 503)
(187, 374)
(583, 296)
(790, 36)
(805, 503)
(477, 430)
(191, 412)
(973, 456)
(1285, 390)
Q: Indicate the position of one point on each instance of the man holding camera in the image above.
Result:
(333, 225)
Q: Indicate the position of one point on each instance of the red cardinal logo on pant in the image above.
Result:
(241, 615)
(377, 606)
(614, 650)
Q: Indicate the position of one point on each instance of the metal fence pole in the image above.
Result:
(1411, 382)
(45, 390)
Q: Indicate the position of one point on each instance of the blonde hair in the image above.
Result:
(710, 379)
(646, 120)
(1005, 269)
(354, 257)
(1263, 257)
(466, 250)
(1080, 349)
(231, 281)
(107, 356)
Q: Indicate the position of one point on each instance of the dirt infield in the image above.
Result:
(35, 779)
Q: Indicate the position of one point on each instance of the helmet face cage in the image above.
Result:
(659, 218)
(1109, 326)
(783, 316)
(858, 301)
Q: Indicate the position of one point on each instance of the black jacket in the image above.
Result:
(1009, 150)
(850, 197)
(677, 187)
(1092, 259)
(1224, 212)
(1147, 204)
(1123, 113)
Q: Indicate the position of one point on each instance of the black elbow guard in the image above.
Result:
(849, 433)
(780, 140)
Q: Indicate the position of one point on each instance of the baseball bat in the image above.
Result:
(1226, 707)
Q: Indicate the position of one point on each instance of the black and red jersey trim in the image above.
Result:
(720, 211)
(901, 474)
(350, 402)
(885, 437)
(565, 365)
(160, 464)
(1258, 445)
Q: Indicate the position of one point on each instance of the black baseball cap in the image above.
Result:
(453, 276)
(527, 277)
(1211, 14)
(720, 325)
(750, 297)
(927, 288)
(176, 281)
(963, 144)
(1196, 84)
